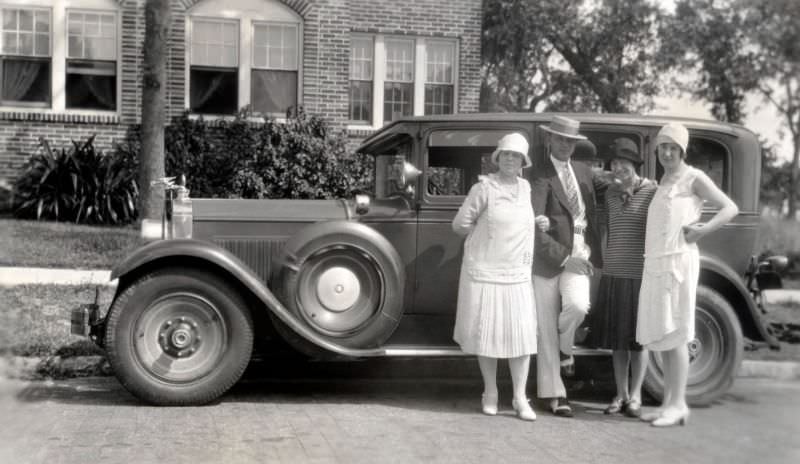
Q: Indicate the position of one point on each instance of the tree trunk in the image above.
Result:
(793, 180)
(158, 16)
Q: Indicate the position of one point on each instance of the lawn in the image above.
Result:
(64, 245)
(35, 320)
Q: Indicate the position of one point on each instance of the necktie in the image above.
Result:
(571, 189)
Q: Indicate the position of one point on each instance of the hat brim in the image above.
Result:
(527, 159)
(569, 136)
(636, 160)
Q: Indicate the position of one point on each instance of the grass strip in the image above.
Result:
(64, 245)
(35, 320)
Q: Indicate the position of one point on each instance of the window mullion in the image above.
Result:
(58, 56)
(419, 78)
(245, 60)
(378, 80)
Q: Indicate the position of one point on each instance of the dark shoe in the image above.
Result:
(567, 365)
(632, 408)
(561, 407)
(615, 407)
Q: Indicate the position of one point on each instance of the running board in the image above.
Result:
(422, 351)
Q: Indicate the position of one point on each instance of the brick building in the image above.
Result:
(71, 68)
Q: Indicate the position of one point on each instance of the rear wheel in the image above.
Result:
(179, 336)
(715, 354)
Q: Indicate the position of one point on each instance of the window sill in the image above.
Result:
(360, 130)
(100, 117)
(212, 118)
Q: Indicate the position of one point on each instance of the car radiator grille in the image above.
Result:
(259, 254)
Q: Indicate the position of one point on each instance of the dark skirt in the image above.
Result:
(612, 320)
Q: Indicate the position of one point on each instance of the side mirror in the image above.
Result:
(410, 173)
(408, 177)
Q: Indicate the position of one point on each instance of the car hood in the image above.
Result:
(268, 210)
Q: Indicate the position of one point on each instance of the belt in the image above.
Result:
(579, 230)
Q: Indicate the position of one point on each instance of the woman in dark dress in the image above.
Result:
(613, 320)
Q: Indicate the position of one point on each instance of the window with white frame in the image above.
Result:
(213, 73)
(25, 56)
(91, 68)
(398, 86)
(361, 67)
(273, 82)
(391, 77)
(439, 82)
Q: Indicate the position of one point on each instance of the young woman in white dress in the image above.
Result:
(672, 266)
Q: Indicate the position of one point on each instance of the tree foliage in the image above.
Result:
(707, 39)
(740, 47)
(572, 55)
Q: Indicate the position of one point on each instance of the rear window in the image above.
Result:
(708, 155)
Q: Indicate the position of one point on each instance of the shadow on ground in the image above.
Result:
(431, 384)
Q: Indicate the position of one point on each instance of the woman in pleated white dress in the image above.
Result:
(496, 315)
(667, 296)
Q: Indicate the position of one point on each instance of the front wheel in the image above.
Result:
(179, 336)
(714, 355)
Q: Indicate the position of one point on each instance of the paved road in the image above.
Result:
(374, 421)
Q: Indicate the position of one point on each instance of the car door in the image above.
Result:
(452, 158)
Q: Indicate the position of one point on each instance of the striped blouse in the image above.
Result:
(627, 221)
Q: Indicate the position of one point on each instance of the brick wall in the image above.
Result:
(327, 25)
(459, 19)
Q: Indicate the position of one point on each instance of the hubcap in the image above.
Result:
(706, 350)
(180, 337)
(338, 289)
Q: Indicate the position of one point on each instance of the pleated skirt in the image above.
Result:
(612, 320)
(494, 319)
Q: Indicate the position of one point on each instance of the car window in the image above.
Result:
(708, 155)
(389, 168)
(457, 157)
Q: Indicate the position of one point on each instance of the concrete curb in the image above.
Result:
(781, 296)
(56, 367)
(777, 370)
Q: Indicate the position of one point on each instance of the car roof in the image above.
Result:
(606, 118)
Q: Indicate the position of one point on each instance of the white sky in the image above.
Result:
(761, 117)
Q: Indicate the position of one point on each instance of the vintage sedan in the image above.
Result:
(377, 275)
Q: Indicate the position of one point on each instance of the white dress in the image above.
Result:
(671, 267)
(496, 312)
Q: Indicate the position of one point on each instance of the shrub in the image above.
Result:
(81, 185)
(240, 158)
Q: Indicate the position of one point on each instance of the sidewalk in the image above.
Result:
(10, 276)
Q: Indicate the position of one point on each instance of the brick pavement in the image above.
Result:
(372, 421)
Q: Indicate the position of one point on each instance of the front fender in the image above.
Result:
(167, 252)
(719, 276)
